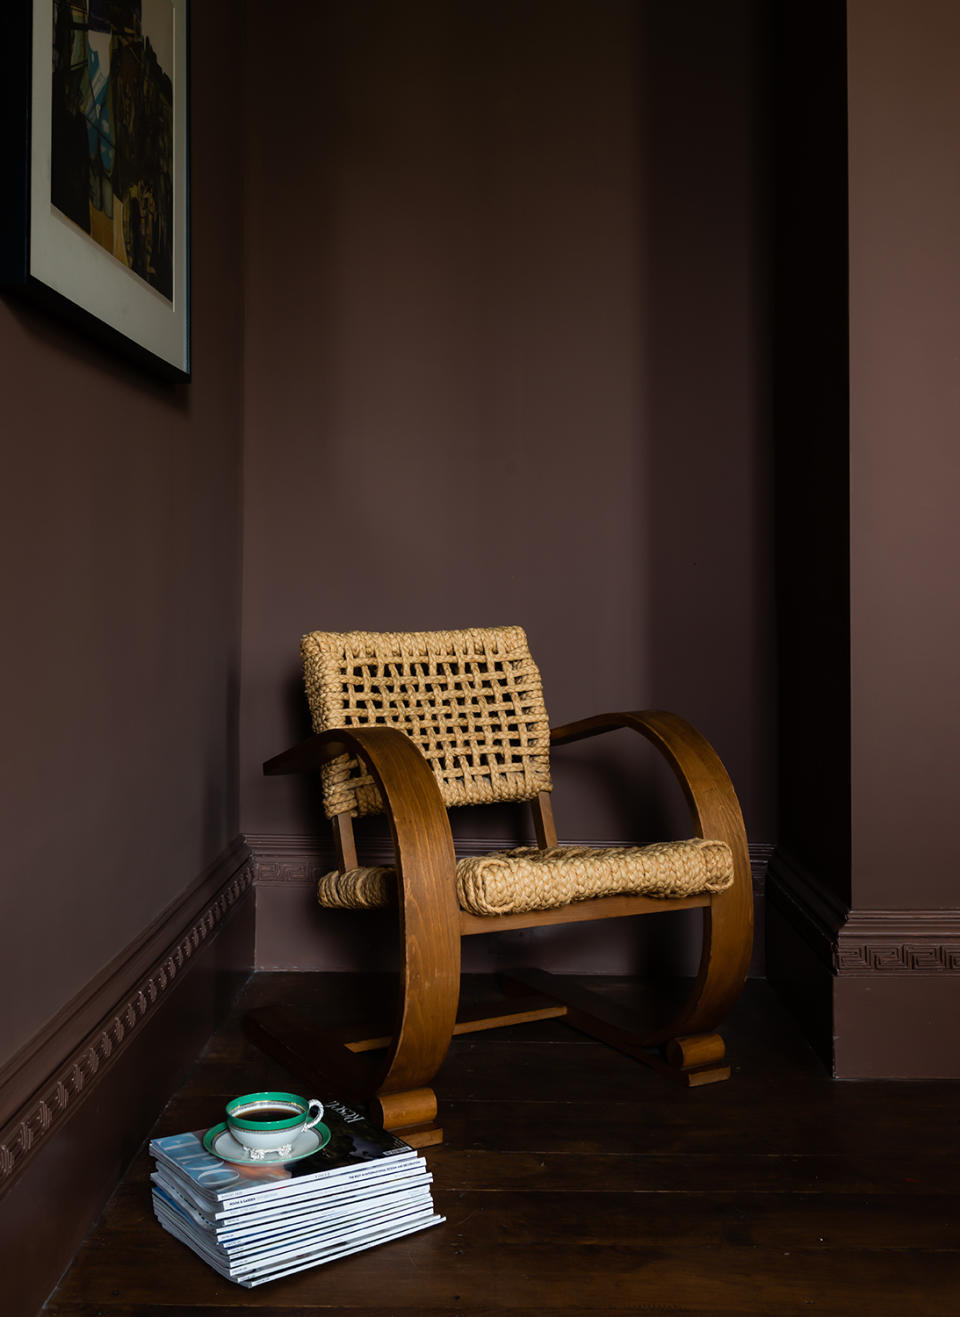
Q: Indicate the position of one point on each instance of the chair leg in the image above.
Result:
(698, 1058)
(412, 1116)
(393, 1073)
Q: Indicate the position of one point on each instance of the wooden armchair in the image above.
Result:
(412, 723)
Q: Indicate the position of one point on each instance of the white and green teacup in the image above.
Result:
(268, 1123)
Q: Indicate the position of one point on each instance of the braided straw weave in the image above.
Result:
(515, 882)
(471, 700)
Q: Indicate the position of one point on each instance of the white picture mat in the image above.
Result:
(67, 260)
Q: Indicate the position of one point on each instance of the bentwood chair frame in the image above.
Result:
(393, 1073)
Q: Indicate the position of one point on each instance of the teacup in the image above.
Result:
(267, 1124)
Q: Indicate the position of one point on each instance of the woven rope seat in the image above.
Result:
(518, 881)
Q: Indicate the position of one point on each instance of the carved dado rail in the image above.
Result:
(82, 1062)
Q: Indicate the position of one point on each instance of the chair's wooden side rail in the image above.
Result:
(426, 873)
(728, 919)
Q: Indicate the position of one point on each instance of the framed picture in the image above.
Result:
(99, 228)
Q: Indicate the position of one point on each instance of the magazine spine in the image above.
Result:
(435, 1220)
(303, 1223)
(312, 1253)
(257, 1256)
(301, 1264)
(292, 1207)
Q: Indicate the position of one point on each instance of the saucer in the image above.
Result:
(219, 1142)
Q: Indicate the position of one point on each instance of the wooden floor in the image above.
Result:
(575, 1181)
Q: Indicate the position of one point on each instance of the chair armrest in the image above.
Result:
(309, 756)
(716, 814)
(419, 824)
(426, 886)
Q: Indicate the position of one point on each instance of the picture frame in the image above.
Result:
(98, 229)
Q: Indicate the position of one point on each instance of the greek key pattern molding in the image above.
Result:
(24, 1134)
(904, 958)
(864, 942)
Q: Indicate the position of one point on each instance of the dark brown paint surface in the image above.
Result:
(505, 363)
(904, 116)
(120, 562)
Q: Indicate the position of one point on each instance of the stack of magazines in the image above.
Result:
(257, 1221)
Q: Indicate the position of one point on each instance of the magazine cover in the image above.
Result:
(332, 1185)
(294, 1194)
(355, 1147)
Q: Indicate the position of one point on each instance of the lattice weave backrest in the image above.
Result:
(472, 701)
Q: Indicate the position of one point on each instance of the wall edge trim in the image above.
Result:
(860, 942)
(898, 942)
(284, 859)
(48, 1079)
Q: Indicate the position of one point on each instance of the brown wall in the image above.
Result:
(120, 563)
(505, 362)
(502, 273)
(904, 101)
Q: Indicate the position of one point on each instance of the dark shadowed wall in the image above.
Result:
(505, 362)
(810, 377)
(121, 590)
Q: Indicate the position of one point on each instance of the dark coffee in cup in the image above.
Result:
(268, 1124)
(271, 1113)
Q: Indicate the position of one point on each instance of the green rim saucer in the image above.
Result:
(313, 1139)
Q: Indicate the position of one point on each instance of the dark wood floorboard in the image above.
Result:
(575, 1181)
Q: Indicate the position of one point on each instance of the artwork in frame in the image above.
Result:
(100, 226)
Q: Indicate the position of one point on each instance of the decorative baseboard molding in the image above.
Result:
(292, 859)
(46, 1081)
(875, 991)
(899, 942)
(863, 942)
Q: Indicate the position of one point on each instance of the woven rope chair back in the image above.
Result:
(472, 700)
